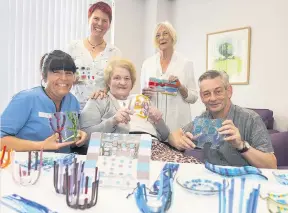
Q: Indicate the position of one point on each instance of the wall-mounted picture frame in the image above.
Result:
(229, 51)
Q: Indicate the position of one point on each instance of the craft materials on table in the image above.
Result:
(5, 157)
(23, 205)
(164, 86)
(281, 177)
(66, 124)
(234, 171)
(122, 159)
(201, 186)
(206, 131)
(276, 202)
(159, 201)
(27, 173)
(248, 199)
(81, 190)
(173, 167)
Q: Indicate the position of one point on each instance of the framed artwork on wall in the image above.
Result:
(229, 51)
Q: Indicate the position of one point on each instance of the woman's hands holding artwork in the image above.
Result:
(122, 116)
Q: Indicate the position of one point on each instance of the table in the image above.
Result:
(112, 199)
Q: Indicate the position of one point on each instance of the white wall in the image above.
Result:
(4, 97)
(268, 86)
(129, 32)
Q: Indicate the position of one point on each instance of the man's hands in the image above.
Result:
(232, 134)
(181, 140)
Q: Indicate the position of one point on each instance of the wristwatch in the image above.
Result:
(245, 148)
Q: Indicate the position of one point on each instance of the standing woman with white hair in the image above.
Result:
(170, 65)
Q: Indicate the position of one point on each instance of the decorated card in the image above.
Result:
(140, 105)
(122, 159)
(164, 86)
(206, 131)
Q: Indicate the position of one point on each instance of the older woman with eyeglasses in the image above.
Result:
(92, 53)
(25, 124)
(114, 113)
(167, 64)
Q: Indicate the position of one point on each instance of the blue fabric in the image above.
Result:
(21, 117)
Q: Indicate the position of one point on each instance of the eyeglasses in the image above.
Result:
(164, 35)
(27, 172)
(5, 157)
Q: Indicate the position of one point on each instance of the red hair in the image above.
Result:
(104, 7)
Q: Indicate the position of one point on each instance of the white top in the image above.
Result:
(90, 71)
(175, 109)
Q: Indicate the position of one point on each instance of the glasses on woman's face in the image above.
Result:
(164, 35)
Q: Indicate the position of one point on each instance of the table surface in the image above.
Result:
(114, 199)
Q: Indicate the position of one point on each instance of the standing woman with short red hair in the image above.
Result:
(92, 53)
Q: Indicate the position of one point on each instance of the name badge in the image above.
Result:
(44, 115)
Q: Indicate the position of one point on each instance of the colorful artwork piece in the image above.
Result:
(27, 172)
(81, 189)
(66, 124)
(281, 178)
(229, 51)
(173, 167)
(140, 105)
(22, 205)
(164, 86)
(159, 201)
(5, 158)
(122, 159)
(234, 171)
(206, 131)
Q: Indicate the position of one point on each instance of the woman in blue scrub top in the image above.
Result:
(24, 123)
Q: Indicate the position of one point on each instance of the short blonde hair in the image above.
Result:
(170, 29)
(119, 62)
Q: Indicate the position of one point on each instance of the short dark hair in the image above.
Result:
(211, 74)
(56, 60)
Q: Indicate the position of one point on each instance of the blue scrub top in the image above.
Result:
(26, 116)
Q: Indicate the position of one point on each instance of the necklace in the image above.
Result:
(94, 46)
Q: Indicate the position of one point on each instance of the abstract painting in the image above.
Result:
(229, 51)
